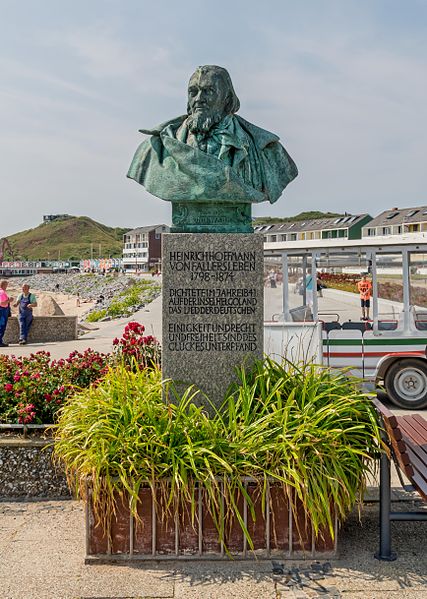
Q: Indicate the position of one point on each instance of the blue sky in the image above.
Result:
(342, 82)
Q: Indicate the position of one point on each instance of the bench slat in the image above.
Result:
(410, 431)
(385, 412)
(418, 465)
(394, 434)
(417, 427)
(422, 422)
(415, 450)
(420, 485)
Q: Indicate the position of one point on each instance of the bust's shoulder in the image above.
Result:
(173, 123)
(261, 137)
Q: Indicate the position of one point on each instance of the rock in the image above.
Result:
(47, 306)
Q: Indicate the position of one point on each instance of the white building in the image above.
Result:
(400, 223)
(142, 248)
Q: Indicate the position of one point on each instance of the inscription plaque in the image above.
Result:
(212, 308)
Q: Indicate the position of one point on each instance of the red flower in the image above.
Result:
(8, 387)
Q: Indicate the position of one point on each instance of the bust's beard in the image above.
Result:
(202, 122)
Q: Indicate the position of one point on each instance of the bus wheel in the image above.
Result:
(406, 384)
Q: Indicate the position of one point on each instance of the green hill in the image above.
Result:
(70, 237)
(310, 215)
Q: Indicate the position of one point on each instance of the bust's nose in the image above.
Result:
(200, 96)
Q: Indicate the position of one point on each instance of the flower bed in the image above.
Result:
(32, 389)
(387, 290)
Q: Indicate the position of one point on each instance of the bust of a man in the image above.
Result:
(212, 156)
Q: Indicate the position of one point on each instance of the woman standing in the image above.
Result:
(4, 310)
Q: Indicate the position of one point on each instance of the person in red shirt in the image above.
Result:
(364, 287)
(4, 310)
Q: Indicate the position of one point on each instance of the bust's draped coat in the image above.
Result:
(252, 166)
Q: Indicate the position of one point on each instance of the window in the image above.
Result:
(412, 213)
(392, 215)
(273, 238)
(386, 231)
(371, 232)
(292, 237)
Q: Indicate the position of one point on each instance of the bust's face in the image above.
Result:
(206, 94)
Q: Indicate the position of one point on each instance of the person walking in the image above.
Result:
(4, 310)
(309, 287)
(364, 287)
(26, 302)
(272, 277)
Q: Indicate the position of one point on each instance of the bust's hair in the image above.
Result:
(232, 102)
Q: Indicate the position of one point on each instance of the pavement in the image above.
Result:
(42, 557)
(42, 545)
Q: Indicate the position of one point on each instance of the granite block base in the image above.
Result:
(212, 308)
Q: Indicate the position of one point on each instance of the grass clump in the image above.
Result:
(132, 297)
(96, 315)
(309, 430)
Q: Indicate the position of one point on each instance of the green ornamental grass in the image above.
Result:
(305, 428)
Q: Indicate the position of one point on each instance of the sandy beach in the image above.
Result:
(67, 303)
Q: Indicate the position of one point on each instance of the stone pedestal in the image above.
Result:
(213, 297)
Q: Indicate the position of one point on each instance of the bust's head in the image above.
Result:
(211, 97)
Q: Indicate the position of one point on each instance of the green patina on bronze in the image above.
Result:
(210, 163)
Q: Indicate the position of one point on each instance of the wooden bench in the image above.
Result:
(406, 438)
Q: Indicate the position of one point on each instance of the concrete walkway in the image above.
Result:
(100, 337)
(42, 543)
(42, 557)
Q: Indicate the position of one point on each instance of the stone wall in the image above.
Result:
(44, 329)
(26, 469)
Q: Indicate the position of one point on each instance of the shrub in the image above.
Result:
(136, 349)
(96, 315)
(307, 429)
(33, 388)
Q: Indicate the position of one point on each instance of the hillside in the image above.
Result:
(71, 237)
(310, 215)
